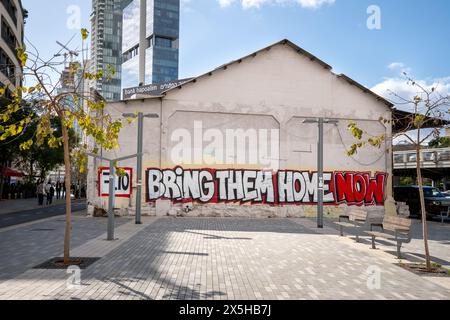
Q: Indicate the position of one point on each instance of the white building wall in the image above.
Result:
(276, 89)
(17, 30)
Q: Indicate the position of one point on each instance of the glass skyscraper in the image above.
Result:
(106, 44)
(162, 42)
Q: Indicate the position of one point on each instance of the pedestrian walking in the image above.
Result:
(58, 190)
(40, 192)
(50, 191)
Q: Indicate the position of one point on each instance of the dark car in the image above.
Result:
(435, 200)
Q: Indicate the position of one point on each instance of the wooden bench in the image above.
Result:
(401, 228)
(356, 219)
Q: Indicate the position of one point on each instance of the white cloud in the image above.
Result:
(246, 4)
(396, 65)
(400, 67)
(225, 3)
(402, 88)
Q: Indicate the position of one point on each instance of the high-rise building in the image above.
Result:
(12, 34)
(162, 42)
(72, 81)
(106, 44)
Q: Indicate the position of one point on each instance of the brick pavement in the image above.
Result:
(205, 258)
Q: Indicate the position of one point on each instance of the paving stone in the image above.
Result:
(206, 258)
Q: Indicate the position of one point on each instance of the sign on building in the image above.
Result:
(151, 89)
(123, 183)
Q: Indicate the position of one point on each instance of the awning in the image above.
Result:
(13, 173)
(403, 120)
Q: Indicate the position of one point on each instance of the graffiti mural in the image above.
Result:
(123, 184)
(264, 187)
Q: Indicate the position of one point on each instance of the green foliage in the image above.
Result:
(46, 155)
(22, 55)
(355, 130)
(419, 120)
(407, 181)
(376, 142)
(9, 142)
(440, 142)
(80, 158)
(84, 33)
(66, 108)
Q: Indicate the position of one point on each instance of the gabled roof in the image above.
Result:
(299, 51)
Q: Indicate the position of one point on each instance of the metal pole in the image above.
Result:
(142, 41)
(320, 181)
(112, 187)
(139, 167)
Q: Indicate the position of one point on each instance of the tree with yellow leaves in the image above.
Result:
(73, 107)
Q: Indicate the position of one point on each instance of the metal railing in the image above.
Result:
(431, 158)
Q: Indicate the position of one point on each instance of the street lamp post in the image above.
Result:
(111, 200)
(140, 141)
(112, 190)
(320, 180)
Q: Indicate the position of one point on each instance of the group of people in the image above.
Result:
(49, 191)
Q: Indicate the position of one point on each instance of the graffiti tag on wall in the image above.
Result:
(123, 184)
(264, 187)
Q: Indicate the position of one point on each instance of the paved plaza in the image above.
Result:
(221, 259)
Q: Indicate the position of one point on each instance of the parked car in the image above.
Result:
(435, 201)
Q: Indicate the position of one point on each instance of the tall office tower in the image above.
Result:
(161, 42)
(106, 44)
(12, 34)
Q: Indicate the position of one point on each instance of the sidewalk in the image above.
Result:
(206, 258)
(9, 206)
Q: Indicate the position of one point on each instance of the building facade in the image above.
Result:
(12, 35)
(106, 45)
(240, 141)
(162, 42)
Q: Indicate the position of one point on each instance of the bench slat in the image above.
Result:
(396, 223)
(380, 235)
(358, 215)
(345, 224)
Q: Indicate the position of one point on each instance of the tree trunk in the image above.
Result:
(422, 205)
(68, 231)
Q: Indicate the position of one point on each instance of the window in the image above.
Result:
(11, 9)
(433, 192)
(412, 157)
(398, 158)
(7, 67)
(428, 156)
(8, 35)
(163, 42)
(444, 156)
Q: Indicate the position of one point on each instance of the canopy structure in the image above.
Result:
(403, 119)
(13, 173)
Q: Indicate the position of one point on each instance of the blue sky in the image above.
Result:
(414, 34)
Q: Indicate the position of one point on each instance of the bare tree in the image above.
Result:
(428, 108)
